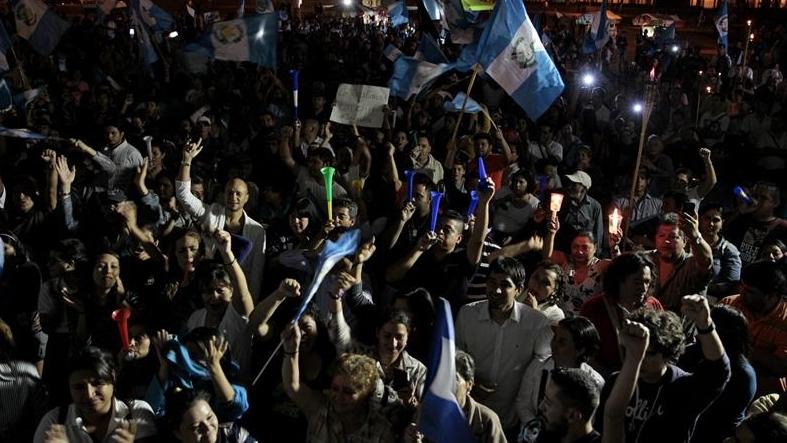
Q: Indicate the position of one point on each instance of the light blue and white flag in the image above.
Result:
(442, 420)
(22, 133)
(512, 54)
(251, 39)
(435, 9)
(5, 47)
(397, 11)
(455, 105)
(428, 50)
(346, 245)
(264, 7)
(155, 18)
(39, 25)
(598, 36)
(391, 52)
(241, 9)
(410, 76)
(721, 23)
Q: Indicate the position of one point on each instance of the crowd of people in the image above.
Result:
(193, 200)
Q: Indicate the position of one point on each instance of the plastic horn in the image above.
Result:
(473, 203)
(436, 197)
(481, 173)
(615, 218)
(743, 195)
(294, 76)
(555, 201)
(149, 145)
(121, 317)
(327, 174)
(410, 174)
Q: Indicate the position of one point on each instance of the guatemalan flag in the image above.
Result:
(721, 23)
(411, 75)
(155, 18)
(512, 54)
(429, 50)
(346, 245)
(397, 11)
(599, 35)
(251, 39)
(435, 9)
(455, 105)
(442, 420)
(39, 25)
(462, 25)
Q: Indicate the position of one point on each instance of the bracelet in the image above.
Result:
(185, 164)
(232, 262)
(711, 327)
(290, 354)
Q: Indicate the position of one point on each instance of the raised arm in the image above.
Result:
(50, 159)
(66, 175)
(285, 148)
(393, 171)
(104, 162)
(696, 309)
(340, 331)
(699, 247)
(475, 246)
(634, 339)
(710, 174)
(263, 312)
(509, 155)
(308, 400)
(191, 204)
(397, 271)
(241, 297)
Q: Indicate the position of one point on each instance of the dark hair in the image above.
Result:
(585, 336)
(559, 297)
(670, 219)
(421, 306)
(733, 330)
(483, 136)
(95, 360)
(773, 242)
(666, 331)
(387, 315)
(351, 206)
(209, 271)
(71, 249)
(621, 267)
(767, 276)
(527, 175)
(324, 154)
(587, 234)
(465, 365)
(179, 401)
(705, 207)
(455, 216)
(511, 267)
(422, 179)
(577, 389)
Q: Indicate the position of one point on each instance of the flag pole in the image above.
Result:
(476, 68)
(20, 66)
(650, 93)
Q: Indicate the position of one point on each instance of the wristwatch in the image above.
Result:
(711, 327)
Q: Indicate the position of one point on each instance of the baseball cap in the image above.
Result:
(580, 177)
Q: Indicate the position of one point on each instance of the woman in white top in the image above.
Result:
(545, 290)
(574, 343)
(95, 414)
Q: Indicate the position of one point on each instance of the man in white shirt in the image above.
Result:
(503, 336)
(229, 216)
(118, 159)
(424, 162)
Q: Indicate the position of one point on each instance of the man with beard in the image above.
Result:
(229, 217)
(678, 272)
(503, 336)
(570, 400)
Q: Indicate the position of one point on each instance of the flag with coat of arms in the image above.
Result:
(39, 25)
(251, 39)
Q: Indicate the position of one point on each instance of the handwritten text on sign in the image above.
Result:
(361, 105)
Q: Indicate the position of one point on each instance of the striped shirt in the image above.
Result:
(647, 208)
(476, 289)
(22, 397)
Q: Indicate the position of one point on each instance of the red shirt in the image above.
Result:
(495, 165)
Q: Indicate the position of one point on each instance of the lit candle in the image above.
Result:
(555, 201)
(615, 218)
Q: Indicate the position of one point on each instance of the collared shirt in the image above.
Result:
(120, 163)
(432, 168)
(688, 277)
(647, 208)
(75, 429)
(726, 264)
(502, 352)
(22, 399)
(213, 217)
(583, 216)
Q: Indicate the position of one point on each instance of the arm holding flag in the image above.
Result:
(104, 162)
(262, 314)
(308, 400)
(193, 206)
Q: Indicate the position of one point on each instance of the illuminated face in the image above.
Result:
(308, 327)
(198, 190)
(187, 252)
(345, 396)
(482, 147)
(542, 284)
(89, 394)
(217, 295)
(236, 194)
(139, 341)
(449, 234)
(519, 186)
(634, 288)
(711, 222)
(298, 224)
(669, 241)
(582, 249)
(199, 424)
(342, 218)
(106, 271)
(391, 341)
(113, 135)
(501, 290)
(553, 412)
(563, 346)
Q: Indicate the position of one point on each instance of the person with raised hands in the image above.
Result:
(229, 216)
(667, 400)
